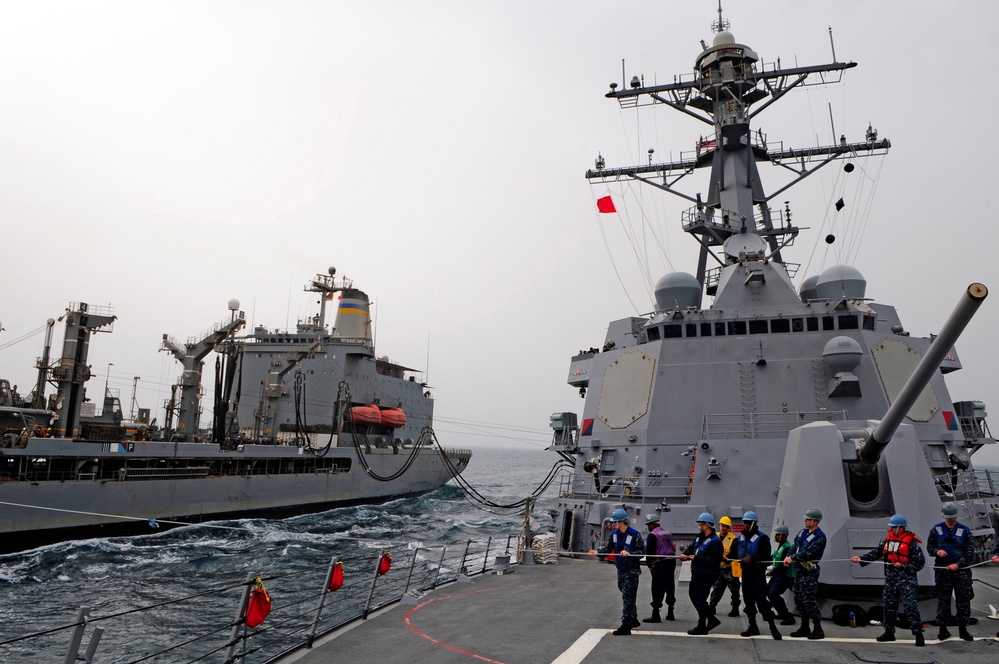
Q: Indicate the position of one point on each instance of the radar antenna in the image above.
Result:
(721, 23)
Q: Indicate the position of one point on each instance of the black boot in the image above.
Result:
(699, 629)
(774, 632)
(654, 618)
(753, 629)
(944, 633)
(802, 631)
(734, 613)
(963, 632)
(884, 638)
(712, 622)
(623, 630)
(920, 641)
(817, 632)
(634, 622)
(669, 614)
(787, 619)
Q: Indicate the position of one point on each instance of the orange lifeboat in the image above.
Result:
(393, 418)
(365, 415)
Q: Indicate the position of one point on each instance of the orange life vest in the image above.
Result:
(897, 548)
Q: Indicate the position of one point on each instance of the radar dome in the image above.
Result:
(842, 354)
(744, 245)
(841, 281)
(677, 290)
(807, 291)
(723, 37)
(233, 304)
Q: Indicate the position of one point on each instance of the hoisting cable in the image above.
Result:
(470, 492)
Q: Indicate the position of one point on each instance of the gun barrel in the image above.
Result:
(927, 367)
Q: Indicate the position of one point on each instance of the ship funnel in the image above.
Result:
(353, 318)
(870, 453)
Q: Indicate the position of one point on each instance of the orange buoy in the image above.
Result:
(393, 418)
(365, 415)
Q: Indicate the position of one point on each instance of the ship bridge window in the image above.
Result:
(781, 325)
(719, 329)
(672, 331)
(812, 324)
(868, 322)
(828, 323)
(653, 334)
(691, 330)
(737, 327)
(705, 329)
(758, 327)
(848, 323)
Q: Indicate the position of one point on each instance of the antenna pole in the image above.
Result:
(832, 44)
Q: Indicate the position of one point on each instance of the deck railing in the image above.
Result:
(304, 609)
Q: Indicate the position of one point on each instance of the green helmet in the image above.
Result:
(948, 510)
(813, 513)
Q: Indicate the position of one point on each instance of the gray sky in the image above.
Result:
(162, 158)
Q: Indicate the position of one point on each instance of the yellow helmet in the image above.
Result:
(725, 521)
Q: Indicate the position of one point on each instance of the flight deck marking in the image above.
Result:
(416, 630)
(585, 644)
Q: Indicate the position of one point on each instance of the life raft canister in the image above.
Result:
(385, 563)
(259, 605)
(336, 579)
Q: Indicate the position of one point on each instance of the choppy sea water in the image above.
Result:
(45, 588)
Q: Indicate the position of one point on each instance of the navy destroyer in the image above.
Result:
(303, 421)
(746, 389)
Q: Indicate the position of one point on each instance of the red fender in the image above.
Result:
(259, 605)
(385, 563)
(336, 580)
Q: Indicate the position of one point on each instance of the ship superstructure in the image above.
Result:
(744, 390)
(303, 421)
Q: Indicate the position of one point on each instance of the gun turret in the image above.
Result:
(870, 452)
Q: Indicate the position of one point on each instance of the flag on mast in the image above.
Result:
(606, 204)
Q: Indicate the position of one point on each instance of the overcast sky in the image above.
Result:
(162, 158)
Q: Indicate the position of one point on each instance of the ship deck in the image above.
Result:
(565, 614)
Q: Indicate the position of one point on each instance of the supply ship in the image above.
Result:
(303, 421)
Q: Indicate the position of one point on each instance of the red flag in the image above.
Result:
(606, 204)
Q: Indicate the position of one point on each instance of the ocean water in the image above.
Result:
(44, 588)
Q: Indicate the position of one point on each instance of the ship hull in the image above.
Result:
(103, 489)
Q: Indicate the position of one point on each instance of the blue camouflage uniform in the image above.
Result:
(704, 568)
(900, 582)
(629, 569)
(805, 553)
(960, 548)
(756, 547)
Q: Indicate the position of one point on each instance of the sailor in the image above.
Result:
(903, 558)
(951, 544)
(805, 553)
(754, 556)
(730, 568)
(661, 558)
(704, 554)
(781, 578)
(628, 547)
